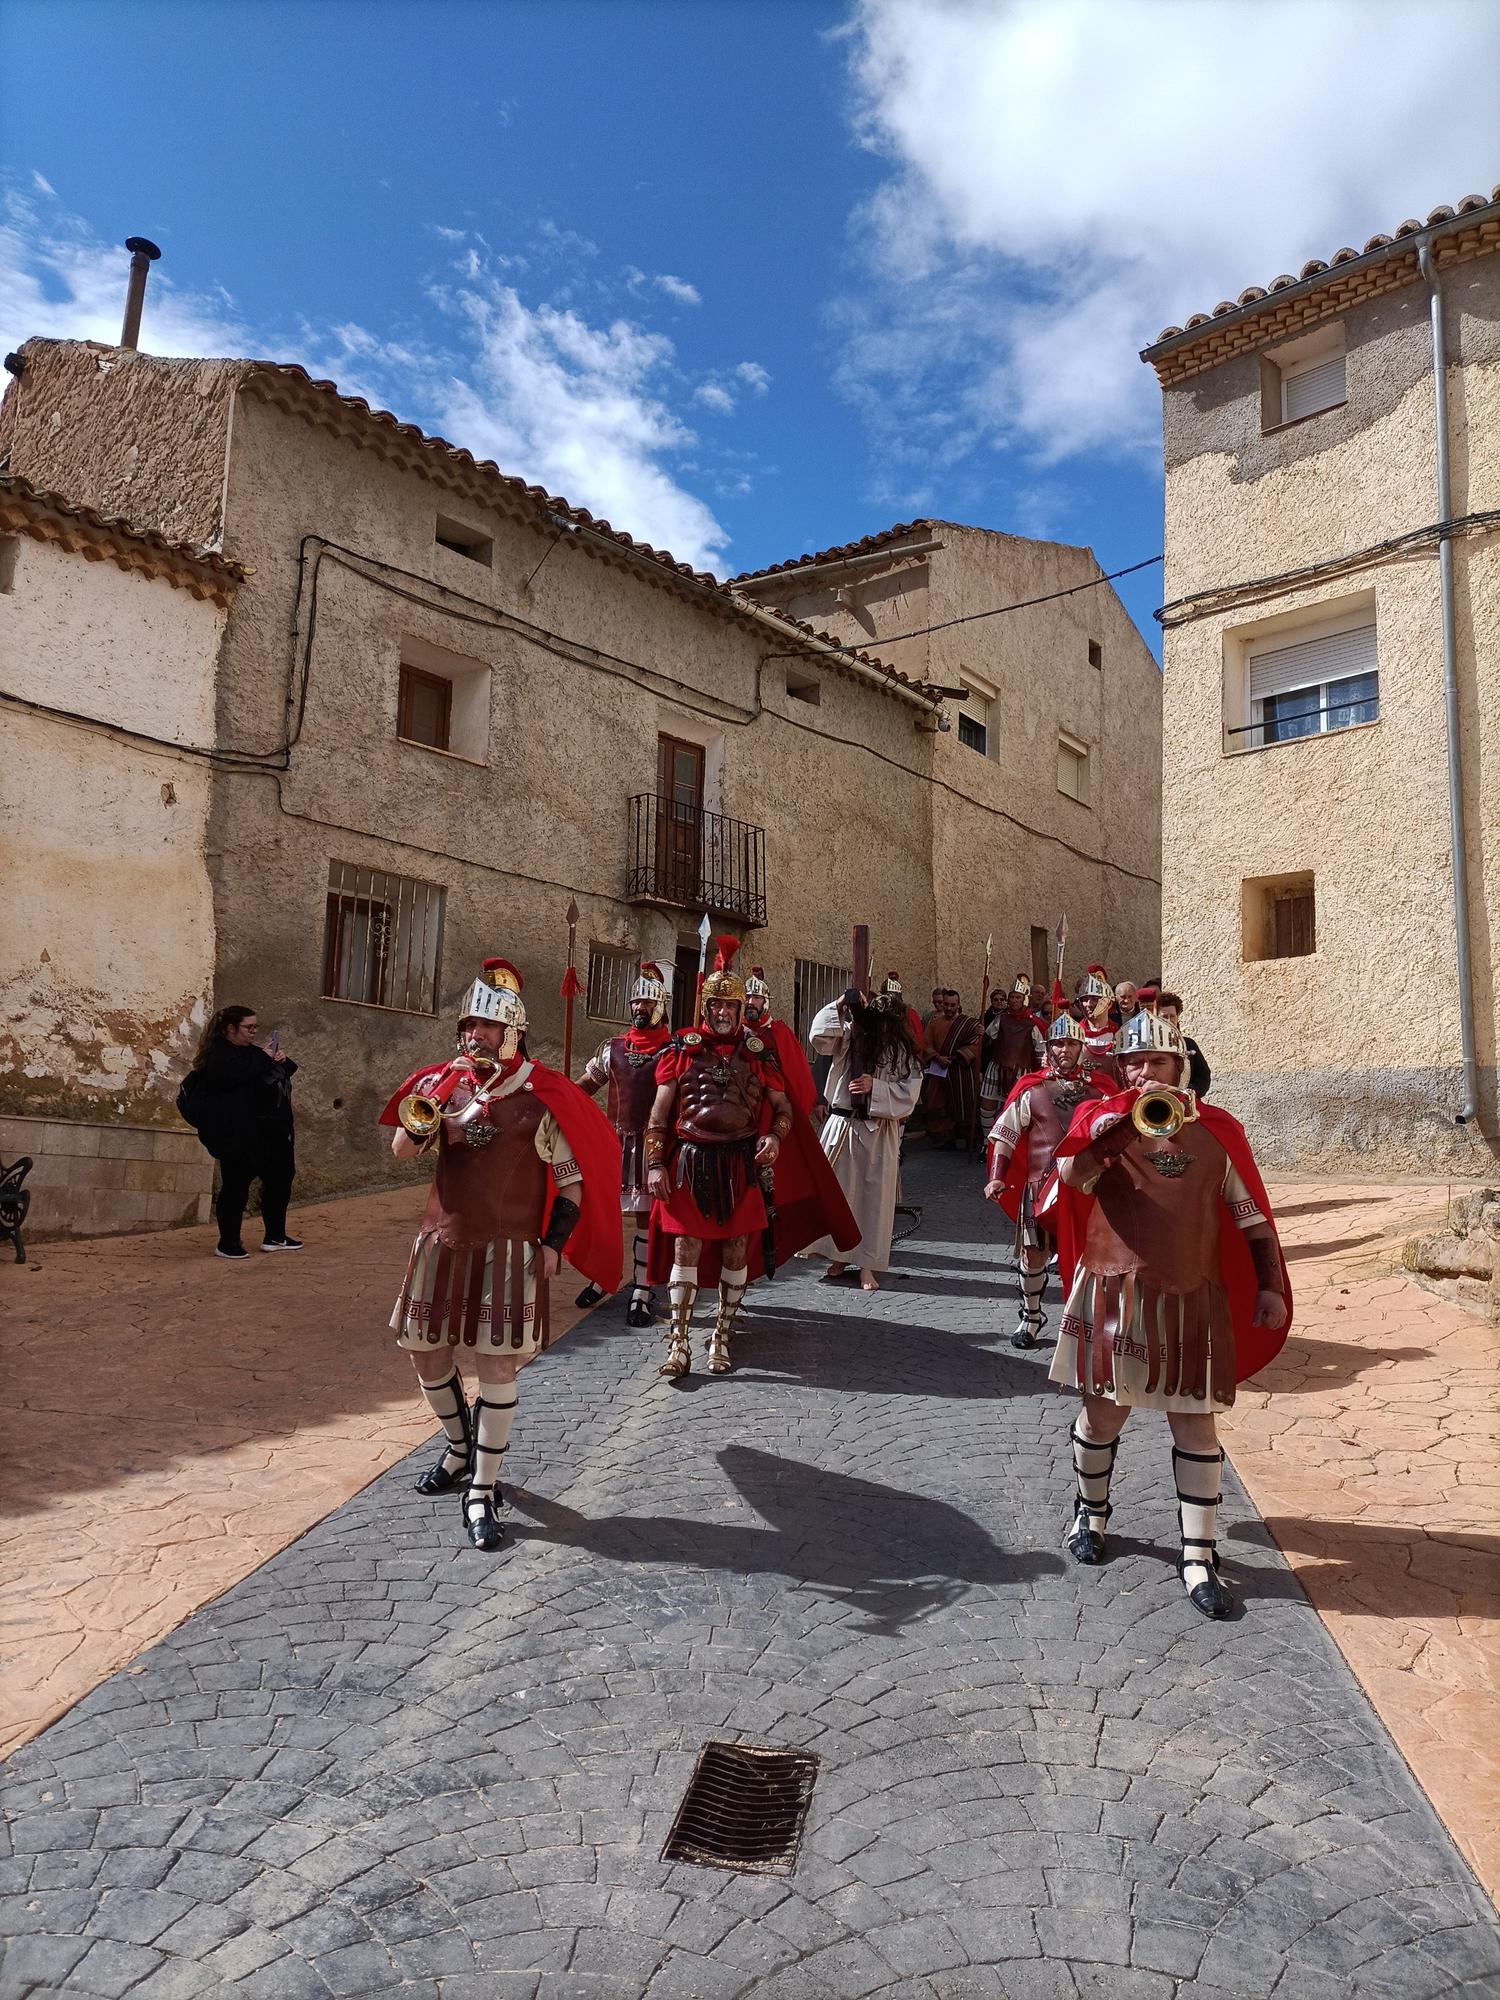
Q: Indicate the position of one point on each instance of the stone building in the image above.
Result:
(109, 638)
(1332, 697)
(444, 702)
(1047, 783)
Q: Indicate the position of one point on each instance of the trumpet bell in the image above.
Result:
(1158, 1114)
(419, 1115)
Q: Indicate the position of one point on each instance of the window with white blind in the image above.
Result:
(1073, 769)
(1307, 687)
(383, 939)
(1303, 377)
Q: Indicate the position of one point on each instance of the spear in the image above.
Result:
(572, 986)
(705, 930)
(1059, 991)
(984, 1001)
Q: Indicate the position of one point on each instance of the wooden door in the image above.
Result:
(679, 821)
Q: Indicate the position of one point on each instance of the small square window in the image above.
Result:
(1279, 917)
(804, 687)
(424, 708)
(973, 733)
(1096, 653)
(1303, 378)
(1073, 769)
(464, 540)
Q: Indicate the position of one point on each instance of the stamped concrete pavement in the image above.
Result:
(385, 1763)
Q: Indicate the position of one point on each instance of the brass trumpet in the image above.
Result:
(421, 1111)
(1159, 1113)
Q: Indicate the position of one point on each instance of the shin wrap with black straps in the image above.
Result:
(447, 1404)
(494, 1413)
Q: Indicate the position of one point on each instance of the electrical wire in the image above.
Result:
(973, 617)
(1219, 597)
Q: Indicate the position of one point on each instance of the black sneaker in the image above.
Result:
(234, 1250)
(281, 1243)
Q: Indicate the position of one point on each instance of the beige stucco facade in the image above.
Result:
(1347, 1057)
(569, 652)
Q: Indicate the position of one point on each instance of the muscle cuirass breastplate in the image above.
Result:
(632, 1086)
(1052, 1106)
(718, 1100)
(1013, 1045)
(1160, 1220)
(481, 1192)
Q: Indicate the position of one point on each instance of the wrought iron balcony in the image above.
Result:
(689, 859)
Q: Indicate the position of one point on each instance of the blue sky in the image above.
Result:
(749, 279)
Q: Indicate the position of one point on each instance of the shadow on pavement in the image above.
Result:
(893, 1557)
(1325, 1364)
(1326, 1206)
(1298, 1253)
(1389, 1572)
(877, 1356)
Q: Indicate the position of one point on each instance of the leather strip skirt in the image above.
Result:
(1123, 1339)
(481, 1296)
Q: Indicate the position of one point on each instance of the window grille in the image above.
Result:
(383, 942)
(1313, 686)
(813, 986)
(612, 975)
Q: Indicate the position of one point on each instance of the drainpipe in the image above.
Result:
(1468, 1107)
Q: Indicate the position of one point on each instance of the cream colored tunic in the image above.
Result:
(865, 1153)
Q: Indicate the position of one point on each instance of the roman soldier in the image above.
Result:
(1013, 1046)
(722, 1137)
(786, 1050)
(1175, 1284)
(625, 1065)
(527, 1170)
(1095, 1008)
(1022, 1147)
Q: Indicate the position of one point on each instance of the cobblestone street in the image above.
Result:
(386, 1763)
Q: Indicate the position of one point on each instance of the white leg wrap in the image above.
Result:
(494, 1413)
(1198, 1476)
(1094, 1466)
(641, 1291)
(445, 1400)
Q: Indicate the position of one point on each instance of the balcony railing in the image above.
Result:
(689, 859)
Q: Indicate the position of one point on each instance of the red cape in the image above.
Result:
(1013, 1180)
(1254, 1346)
(809, 1204)
(791, 1060)
(594, 1249)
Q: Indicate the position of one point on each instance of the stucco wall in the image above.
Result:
(108, 908)
(1348, 1057)
(848, 833)
(1010, 851)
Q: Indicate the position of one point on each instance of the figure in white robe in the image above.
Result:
(864, 1151)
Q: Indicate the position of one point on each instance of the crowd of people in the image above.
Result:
(724, 1157)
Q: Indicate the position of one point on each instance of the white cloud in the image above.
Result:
(753, 376)
(679, 289)
(714, 396)
(41, 183)
(1066, 177)
(579, 408)
(58, 278)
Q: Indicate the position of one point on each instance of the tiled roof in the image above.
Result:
(1352, 274)
(292, 387)
(29, 509)
(866, 545)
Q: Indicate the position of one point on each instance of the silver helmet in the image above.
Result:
(1149, 1035)
(1066, 1032)
(1095, 985)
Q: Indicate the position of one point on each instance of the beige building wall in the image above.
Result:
(1348, 1057)
(109, 913)
(1011, 852)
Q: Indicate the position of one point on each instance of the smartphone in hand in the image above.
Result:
(273, 1047)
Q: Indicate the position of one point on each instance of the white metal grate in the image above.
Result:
(383, 939)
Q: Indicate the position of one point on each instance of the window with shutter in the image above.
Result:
(1312, 686)
(1317, 385)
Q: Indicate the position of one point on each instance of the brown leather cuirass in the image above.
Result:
(632, 1086)
(483, 1192)
(718, 1099)
(1163, 1225)
(1014, 1048)
(1053, 1104)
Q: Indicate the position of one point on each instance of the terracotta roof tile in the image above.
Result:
(866, 545)
(207, 572)
(1254, 293)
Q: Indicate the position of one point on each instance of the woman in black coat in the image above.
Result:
(239, 1096)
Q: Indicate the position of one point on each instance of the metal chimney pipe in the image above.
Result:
(143, 254)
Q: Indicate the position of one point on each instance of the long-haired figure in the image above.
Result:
(238, 1096)
(874, 1082)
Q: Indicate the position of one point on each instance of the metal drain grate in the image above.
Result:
(744, 1808)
